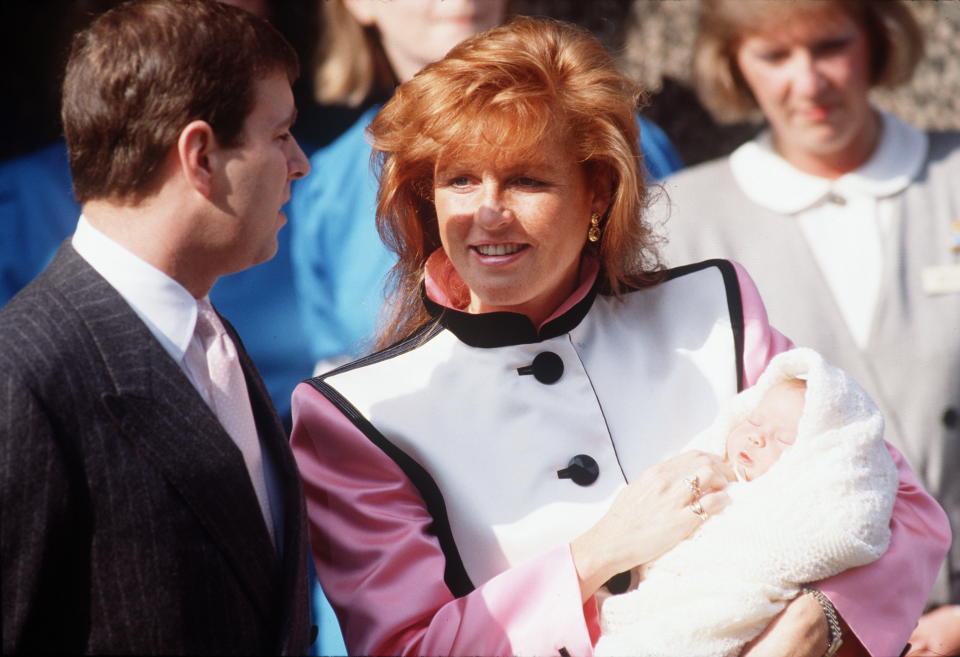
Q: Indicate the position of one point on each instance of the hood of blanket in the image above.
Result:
(834, 404)
(833, 489)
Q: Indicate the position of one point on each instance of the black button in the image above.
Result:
(547, 367)
(950, 418)
(582, 469)
(618, 583)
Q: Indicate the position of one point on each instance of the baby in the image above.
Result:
(823, 505)
(757, 441)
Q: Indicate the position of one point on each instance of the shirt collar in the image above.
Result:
(165, 306)
(772, 182)
(446, 297)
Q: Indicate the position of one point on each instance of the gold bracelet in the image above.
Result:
(835, 638)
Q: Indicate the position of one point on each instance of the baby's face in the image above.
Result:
(756, 443)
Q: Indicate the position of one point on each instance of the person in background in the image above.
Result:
(340, 263)
(474, 484)
(150, 501)
(848, 218)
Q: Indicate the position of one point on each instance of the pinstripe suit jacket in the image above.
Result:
(129, 521)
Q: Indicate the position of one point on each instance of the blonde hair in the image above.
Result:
(896, 45)
(350, 65)
(506, 90)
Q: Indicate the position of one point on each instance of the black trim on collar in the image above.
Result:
(422, 335)
(503, 329)
(734, 303)
(454, 574)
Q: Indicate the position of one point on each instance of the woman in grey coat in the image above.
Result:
(847, 217)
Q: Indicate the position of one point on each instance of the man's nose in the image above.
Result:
(298, 163)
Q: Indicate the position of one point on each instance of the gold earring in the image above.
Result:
(593, 233)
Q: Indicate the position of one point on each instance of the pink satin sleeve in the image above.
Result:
(761, 342)
(882, 600)
(382, 570)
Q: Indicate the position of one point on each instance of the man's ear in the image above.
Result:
(196, 151)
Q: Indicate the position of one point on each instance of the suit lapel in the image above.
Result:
(156, 407)
(293, 543)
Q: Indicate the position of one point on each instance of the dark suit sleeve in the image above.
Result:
(38, 553)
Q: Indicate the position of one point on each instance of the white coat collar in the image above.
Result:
(772, 182)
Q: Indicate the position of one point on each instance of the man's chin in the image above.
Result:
(266, 253)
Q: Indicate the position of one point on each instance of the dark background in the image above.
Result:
(651, 39)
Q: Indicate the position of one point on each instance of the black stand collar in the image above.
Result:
(504, 329)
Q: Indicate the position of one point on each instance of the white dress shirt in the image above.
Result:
(170, 313)
(165, 306)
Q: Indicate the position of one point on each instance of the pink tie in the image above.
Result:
(230, 401)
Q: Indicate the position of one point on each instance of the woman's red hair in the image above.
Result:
(505, 91)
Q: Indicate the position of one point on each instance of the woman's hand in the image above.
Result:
(937, 633)
(801, 630)
(650, 516)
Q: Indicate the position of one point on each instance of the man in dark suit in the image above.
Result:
(149, 500)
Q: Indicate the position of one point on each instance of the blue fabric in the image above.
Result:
(37, 212)
(339, 261)
(329, 639)
(659, 155)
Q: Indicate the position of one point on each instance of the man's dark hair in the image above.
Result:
(144, 70)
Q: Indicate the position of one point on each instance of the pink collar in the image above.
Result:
(444, 286)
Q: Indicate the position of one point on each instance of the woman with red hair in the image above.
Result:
(474, 484)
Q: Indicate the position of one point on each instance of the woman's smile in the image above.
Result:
(494, 253)
(514, 225)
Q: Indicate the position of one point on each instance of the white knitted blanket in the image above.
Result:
(824, 507)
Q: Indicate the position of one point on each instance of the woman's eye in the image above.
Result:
(831, 46)
(772, 56)
(458, 181)
(526, 181)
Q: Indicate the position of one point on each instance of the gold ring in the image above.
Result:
(693, 483)
(697, 509)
